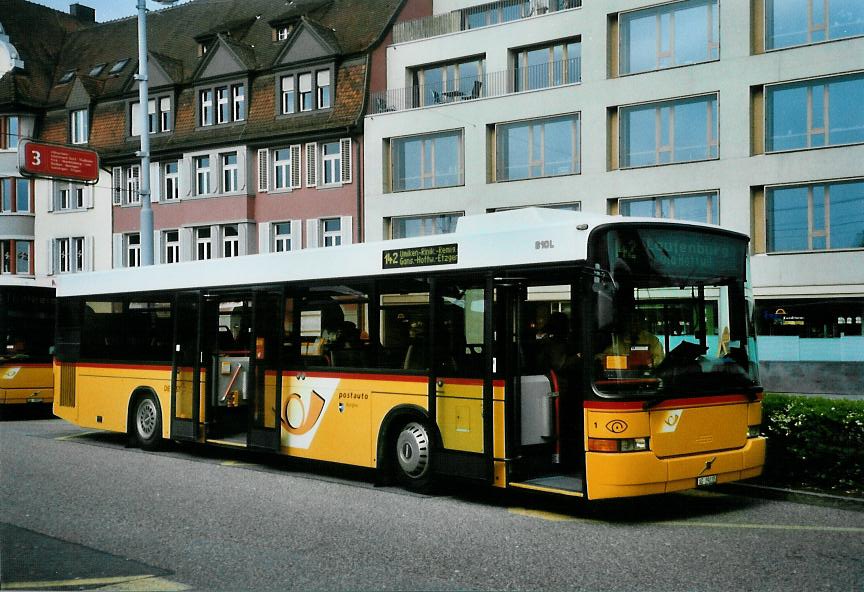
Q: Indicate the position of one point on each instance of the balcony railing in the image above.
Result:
(491, 84)
(475, 17)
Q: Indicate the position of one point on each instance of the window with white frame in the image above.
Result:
(306, 91)
(331, 232)
(65, 202)
(171, 246)
(814, 113)
(322, 88)
(288, 94)
(203, 244)
(9, 132)
(202, 175)
(427, 161)
(78, 126)
(282, 33)
(666, 132)
(411, 226)
(229, 172)
(223, 113)
(158, 116)
(695, 207)
(23, 257)
(133, 184)
(282, 169)
(545, 147)
(669, 35)
(67, 196)
(171, 177)
(230, 241)
(815, 216)
(70, 255)
(165, 114)
(281, 237)
(331, 163)
(238, 102)
(79, 198)
(802, 22)
(206, 107)
(547, 65)
(133, 250)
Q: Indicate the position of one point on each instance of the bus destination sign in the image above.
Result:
(421, 256)
(58, 162)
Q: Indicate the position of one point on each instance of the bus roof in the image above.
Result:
(501, 239)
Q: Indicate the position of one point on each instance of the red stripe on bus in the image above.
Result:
(392, 377)
(638, 405)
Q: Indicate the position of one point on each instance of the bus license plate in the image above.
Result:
(706, 481)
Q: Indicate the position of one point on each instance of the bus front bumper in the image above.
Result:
(23, 396)
(642, 473)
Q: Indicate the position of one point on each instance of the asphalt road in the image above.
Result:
(82, 511)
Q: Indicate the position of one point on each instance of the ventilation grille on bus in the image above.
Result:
(67, 385)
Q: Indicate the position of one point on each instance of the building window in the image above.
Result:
(10, 132)
(322, 84)
(78, 126)
(680, 130)
(118, 66)
(331, 232)
(133, 250)
(537, 148)
(172, 180)
(288, 94)
(68, 197)
(202, 175)
(282, 168)
(306, 92)
(238, 102)
(206, 110)
(331, 163)
(70, 255)
(281, 237)
(411, 226)
(424, 162)
(79, 198)
(23, 257)
(65, 202)
(815, 113)
(229, 172)
(230, 241)
(133, 183)
(203, 244)
(16, 195)
(670, 35)
(282, 33)
(171, 242)
(815, 217)
(695, 207)
(165, 114)
(822, 318)
(451, 81)
(222, 113)
(802, 22)
(6, 259)
(547, 65)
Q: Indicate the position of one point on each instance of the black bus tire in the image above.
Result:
(412, 455)
(147, 423)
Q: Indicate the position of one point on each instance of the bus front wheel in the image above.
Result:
(148, 423)
(413, 452)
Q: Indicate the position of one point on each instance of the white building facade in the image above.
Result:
(748, 114)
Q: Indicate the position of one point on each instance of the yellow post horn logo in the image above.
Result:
(295, 418)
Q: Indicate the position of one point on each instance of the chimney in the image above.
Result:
(85, 14)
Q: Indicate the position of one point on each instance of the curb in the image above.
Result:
(812, 498)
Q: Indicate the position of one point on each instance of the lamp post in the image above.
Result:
(146, 231)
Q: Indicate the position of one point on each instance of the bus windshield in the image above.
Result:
(671, 314)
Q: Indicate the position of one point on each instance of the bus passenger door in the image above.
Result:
(186, 377)
(461, 381)
(265, 377)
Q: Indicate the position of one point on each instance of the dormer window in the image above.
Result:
(221, 104)
(118, 66)
(282, 33)
(97, 69)
(301, 92)
(67, 76)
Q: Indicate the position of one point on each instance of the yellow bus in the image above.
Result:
(582, 355)
(27, 334)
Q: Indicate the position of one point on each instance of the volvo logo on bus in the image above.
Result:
(616, 426)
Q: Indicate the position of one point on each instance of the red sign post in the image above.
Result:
(58, 162)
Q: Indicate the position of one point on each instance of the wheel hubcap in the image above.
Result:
(412, 450)
(146, 419)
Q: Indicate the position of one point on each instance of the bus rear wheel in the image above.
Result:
(413, 452)
(147, 423)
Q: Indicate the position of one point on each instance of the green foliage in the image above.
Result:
(814, 442)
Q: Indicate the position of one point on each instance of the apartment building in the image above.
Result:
(255, 120)
(744, 113)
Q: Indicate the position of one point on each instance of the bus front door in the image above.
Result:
(186, 374)
(265, 380)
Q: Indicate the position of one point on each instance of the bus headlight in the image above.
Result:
(617, 444)
(754, 431)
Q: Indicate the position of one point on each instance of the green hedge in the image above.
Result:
(814, 442)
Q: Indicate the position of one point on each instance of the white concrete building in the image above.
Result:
(746, 113)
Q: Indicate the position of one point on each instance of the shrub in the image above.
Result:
(814, 442)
